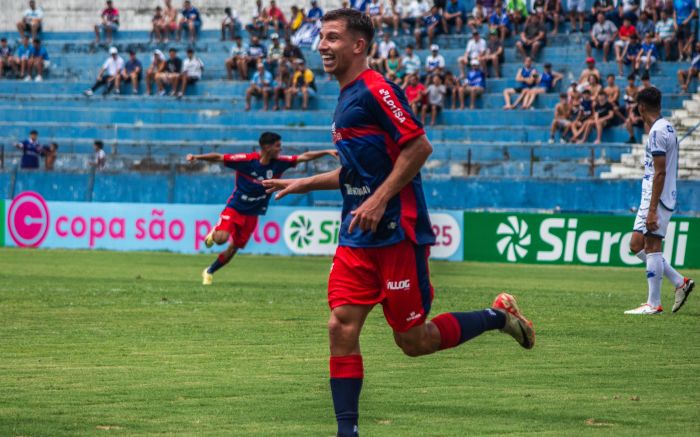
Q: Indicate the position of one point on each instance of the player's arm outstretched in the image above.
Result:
(323, 181)
(211, 157)
(310, 156)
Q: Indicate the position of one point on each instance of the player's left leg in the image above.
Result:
(220, 261)
(239, 227)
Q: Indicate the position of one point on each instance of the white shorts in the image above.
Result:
(663, 217)
(621, 43)
(646, 58)
(576, 5)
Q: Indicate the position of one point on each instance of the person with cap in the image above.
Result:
(170, 74)
(261, 85)
(108, 74)
(31, 151)
(192, 69)
(588, 71)
(131, 72)
(191, 21)
(109, 23)
(156, 67)
(455, 16)
(603, 33)
(494, 54)
(476, 47)
(303, 82)
(275, 53)
(434, 63)
(473, 85)
(533, 37)
(31, 21)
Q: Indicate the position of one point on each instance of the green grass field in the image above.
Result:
(100, 343)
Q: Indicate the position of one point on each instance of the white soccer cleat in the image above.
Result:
(645, 309)
(207, 278)
(209, 239)
(682, 293)
(517, 326)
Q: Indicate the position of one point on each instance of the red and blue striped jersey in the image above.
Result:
(249, 197)
(372, 123)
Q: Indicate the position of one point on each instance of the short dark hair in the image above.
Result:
(610, 75)
(3, 39)
(650, 98)
(190, 50)
(563, 96)
(37, 41)
(99, 144)
(267, 138)
(355, 21)
(632, 76)
(54, 145)
(547, 65)
(33, 132)
(172, 49)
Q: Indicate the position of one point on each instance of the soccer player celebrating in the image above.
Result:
(249, 199)
(657, 205)
(385, 232)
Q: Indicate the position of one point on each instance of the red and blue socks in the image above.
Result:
(219, 262)
(456, 328)
(346, 383)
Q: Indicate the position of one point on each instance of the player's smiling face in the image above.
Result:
(338, 47)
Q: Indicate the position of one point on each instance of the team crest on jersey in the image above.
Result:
(335, 135)
(393, 107)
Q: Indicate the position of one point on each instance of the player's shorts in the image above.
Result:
(663, 214)
(396, 276)
(240, 226)
(576, 6)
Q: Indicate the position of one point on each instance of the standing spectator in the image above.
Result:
(476, 48)
(283, 81)
(479, 16)
(22, 57)
(275, 17)
(157, 23)
(31, 151)
(533, 37)
(50, 154)
(603, 33)
(38, 61)
(517, 12)
(577, 12)
(561, 121)
(494, 54)
(644, 24)
(666, 33)
(526, 78)
(415, 93)
(108, 74)
(434, 64)
(432, 27)
(315, 13)
(548, 80)
(411, 62)
(157, 66)
(237, 59)
(499, 20)
(686, 76)
(170, 25)
(275, 54)
(31, 21)
(414, 14)
(229, 24)
(391, 15)
(436, 99)
(685, 13)
(553, 14)
(291, 51)
(170, 74)
(260, 86)
(192, 69)
(455, 16)
(648, 54)
(7, 58)
(191, 21)
(473, 85)
(132, 72)
(109, 23)
(99, 158)
(624, 36)
(256, 54)
(629, 55)
(302, 82)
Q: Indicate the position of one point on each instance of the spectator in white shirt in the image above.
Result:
(238, 54)
(476, 47)
(391, 15)
(31, 21)
(100, 158)
(107, 75)
(414, 13)
(229, 23)
(192, 68)
(435, 63)
(381, 52)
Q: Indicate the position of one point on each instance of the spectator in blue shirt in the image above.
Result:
(31, 151)
(191, 21)
(455, 15)
(315, 13)
(473, 85)
(38, 61)
(686, 15)
(648, 54)
(432, 26)
(499, 20)
(22, 56)
(132, 72)
(260, 85)
(256, 54)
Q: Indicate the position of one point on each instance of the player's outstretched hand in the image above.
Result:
(190, 157)
(368, 215)
(285, 186)
(333, 153)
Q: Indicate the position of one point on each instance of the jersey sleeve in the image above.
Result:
(285, 162)
(236, 160)
(388, 107)
(660, 141)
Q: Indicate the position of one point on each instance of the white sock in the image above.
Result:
(655, 270)
(671, 274)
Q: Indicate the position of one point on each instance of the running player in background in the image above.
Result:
(385, 235)
(249, 200)
(657, 205)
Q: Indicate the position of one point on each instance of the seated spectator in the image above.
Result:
(452, 85)
(436, 100)
(380, 52)
(594, 86)
(434, 64)
(629, 55)
(31, 151)
(157, 25)
(38, 61)
(275, 18)
(229, 24)
(256, 54)
(109, 23)
(665, 33)
(633, 121)
(499, 20)
(303, 83)
(653, 8)
(275, 54)
(411, 62)
(552, 13)
(476, 48)
(478, 18)
(489, 6)
(170, 74)
(685, 14)
(494, 55)
(260, 86)
(533, 37)
(644, 24)
(391, 15)
(7, 59)
(358, 5)
(603, 33)
(415, 93)
(392, 65)
(291, 51)
(131, 72)
(191, 21)
(631, 91)
(257, 24)
(296, 19)
(432, 27)
(648, 54)
(473, 85)
(108, 74)
(99, 158)
(50, 154)
(283, 81)
(646, 81)
(31, 21)
(170, 24)
(157, 66)
(629, 9)
(577, 12)
(375, 10)
(624, 36)
(603, 113)
(607, 8)
(590, 70)
(526, 78)
(561, 122)
(548, 80)
(612, 90)
(238, 57)
(455, 16)
(693, 71)
(414, 14)
(192, 69)
(22, 57)
(584, 114)
(315, 13)
(517, 12)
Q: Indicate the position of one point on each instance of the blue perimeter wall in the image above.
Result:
(587, 195)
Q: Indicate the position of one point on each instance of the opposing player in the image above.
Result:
(249, 200)
(657, 205)
(385, 233)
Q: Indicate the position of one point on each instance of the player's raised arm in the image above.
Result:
(211, 157)
(323, 181)
(311, 155)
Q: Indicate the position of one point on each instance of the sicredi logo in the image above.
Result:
(514, 238)
(311, 232)
(28, 219)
